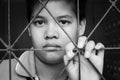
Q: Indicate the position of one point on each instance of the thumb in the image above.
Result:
(69, 52)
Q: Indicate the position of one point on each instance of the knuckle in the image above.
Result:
(69, 46)
(81, 41)
(99, 46)
(82, 38)
(91, 43)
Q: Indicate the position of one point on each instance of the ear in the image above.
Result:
(29, 32)
(82, 27)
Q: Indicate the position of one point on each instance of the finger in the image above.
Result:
(82, 41)
(69, 47)
(69, 50)
(100, 49)
(95, 58)
(69, 54)
(66, 60)
(89, 48)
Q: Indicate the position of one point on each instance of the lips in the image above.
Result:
(51, 47)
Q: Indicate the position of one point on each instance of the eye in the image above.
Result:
(39, 23)
(64, 22)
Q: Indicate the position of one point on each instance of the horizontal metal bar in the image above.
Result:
(26, 49)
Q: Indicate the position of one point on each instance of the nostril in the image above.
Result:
(50, 37)
(50, 34)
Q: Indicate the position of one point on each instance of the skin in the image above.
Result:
(45, 31)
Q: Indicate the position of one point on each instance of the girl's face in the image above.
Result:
(47, 35)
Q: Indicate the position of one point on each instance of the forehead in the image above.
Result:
(55, 7)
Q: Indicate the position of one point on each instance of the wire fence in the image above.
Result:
(10, 50)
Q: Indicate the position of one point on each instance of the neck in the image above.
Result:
(48, 72)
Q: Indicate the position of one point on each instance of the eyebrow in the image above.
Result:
(59, 17)
(64, 16)
(40, 17)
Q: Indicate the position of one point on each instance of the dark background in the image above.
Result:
(108, 31)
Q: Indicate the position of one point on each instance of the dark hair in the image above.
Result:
(31, 4)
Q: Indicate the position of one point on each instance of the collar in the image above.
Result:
(27, 59)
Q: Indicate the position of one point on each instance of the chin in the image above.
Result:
(54, 59)
(54, 62)
(51, 58)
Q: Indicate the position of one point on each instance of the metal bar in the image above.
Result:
(3, 42)
(106, 48)
(79, 63)
(3, 49)
(10, 71)
(78, 23)
(99, 22)
(33, 50)
(9, 42)
(9, 36)
(3, 58)
(111, 48)
(117, 8)
(101, 76)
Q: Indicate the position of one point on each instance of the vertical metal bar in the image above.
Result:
(9, 40)
(78, 23)
(10, 76)
(79, 76)
(78, 13)
(9, 37)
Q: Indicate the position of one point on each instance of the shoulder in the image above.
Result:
(4, 70)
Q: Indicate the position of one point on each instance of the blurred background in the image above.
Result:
(108, 32)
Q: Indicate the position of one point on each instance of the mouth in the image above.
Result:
(52, 47)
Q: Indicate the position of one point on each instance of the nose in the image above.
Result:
(52, 31)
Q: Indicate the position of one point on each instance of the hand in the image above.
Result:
(95, 53)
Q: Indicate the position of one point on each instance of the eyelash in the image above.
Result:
(41, 23)
(64, 22)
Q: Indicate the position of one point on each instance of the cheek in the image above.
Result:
(72, 33)
(37, 36)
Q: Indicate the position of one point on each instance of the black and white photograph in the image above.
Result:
(59, 39)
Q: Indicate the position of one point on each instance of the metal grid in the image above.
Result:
(9, 47)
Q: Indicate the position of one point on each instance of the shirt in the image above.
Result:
(27, 59)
